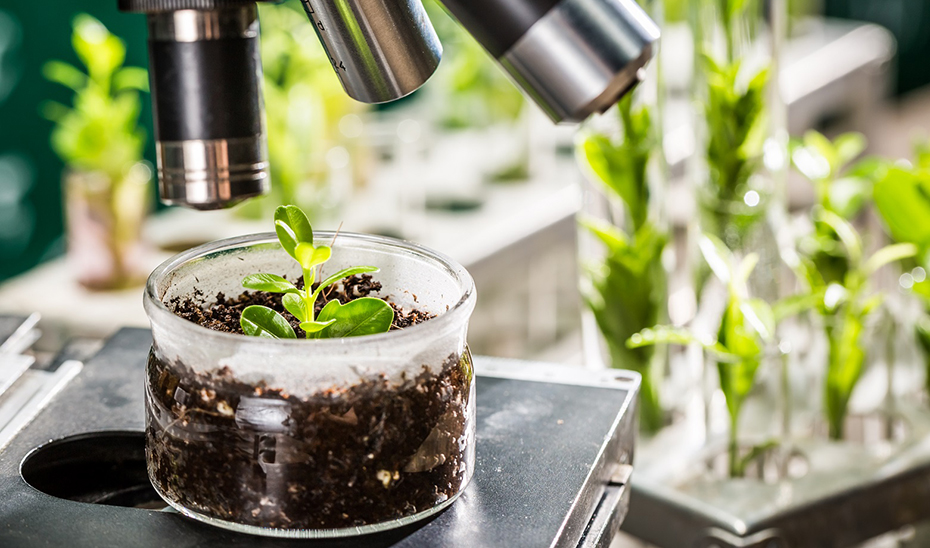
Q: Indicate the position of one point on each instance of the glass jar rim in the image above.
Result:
(448, 320)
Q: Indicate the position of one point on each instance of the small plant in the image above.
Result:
(845, 306)
(737, 125)
(746, 328)
(628, 286)
(841, 187)
(101, 131)
(902, 197)
(364, 316)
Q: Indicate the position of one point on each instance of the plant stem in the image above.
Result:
(651, 417)
(736, 469)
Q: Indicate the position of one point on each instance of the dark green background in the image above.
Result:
(908, 20)
(45, 29)
(45, 32)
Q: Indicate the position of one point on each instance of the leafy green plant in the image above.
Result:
(364, 316)
(628, 293)
(101, 131)
(747, 326)
(628, 287)
(841, 187)
(475, 92)
(736, 126)
(736, 120)
(902, 197)
(845, 306)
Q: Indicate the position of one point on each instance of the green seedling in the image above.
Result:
(364, 316)
(737, 126)
(627, 294)
(747, 327)
(736, 122)
(902, 197)
(841, 187)
(101, 131)
(845, 306)
(628, 287)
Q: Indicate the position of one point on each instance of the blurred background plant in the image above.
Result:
(472, 91)
(100, 140)
(845, 307)
(832, 262)
(902, 198)
(734, 89)
(626, 288)
(746, 328)
(315, 133)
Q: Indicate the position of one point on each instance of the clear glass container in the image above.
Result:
(311, 438)
(104, 224)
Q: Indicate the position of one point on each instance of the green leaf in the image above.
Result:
(844, 231)
(665, 334)
(848, 147)
(321, 255)
(292, 227)
(903, 200)
(54, 111)
(261, 321)
(64, 74)
(294, 304)
(309, 256)
(888, 254)
(760, 316)
(718, 257)
(131, 78)
(608, 234)
(345, 273)
(272, 283)
(365, 316)
(315, 327)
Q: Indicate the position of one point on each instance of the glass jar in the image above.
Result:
(311, 438)
(104, 221)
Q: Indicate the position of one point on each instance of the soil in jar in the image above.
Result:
(224, 313)
(351, 456)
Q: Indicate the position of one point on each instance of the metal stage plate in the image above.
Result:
(553, 460)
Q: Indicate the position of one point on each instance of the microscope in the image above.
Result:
(572, 57)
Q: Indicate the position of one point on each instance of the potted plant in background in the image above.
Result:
(625, 287)
(106, 184)
(365, 422)
(902, 198)
(742, 138)
(745, 334)
(833, 264)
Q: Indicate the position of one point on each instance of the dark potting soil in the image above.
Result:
(223, 315)
(340, 458)
(349, 456)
